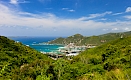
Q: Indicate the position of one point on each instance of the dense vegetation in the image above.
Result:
(19, 62)
(110, 61)
(78, 39)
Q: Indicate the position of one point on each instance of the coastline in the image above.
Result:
(47, 48)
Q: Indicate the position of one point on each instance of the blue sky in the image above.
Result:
(64, 17)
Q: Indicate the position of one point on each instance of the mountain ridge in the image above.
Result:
(79, 39)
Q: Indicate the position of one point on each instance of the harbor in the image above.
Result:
(69, 50)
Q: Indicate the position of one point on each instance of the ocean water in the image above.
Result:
(37, 43)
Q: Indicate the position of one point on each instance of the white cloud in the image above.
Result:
(65, 8)
(103, 19)
(99, 15)
(44, 23)
(127, 17)
(71, 10)
(128, 9)
(115, 29)
(105, 29)
(83, 18)
(14, 1)
(127, 29)
(91, 16)
(118, 13)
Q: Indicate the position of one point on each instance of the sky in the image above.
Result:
(64, 17)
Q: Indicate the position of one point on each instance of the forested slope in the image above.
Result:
(110, 61)
(79, 39)
(19, 62)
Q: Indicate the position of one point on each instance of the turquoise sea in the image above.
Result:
(37, 43)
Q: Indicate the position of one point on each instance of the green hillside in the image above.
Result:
(19, 62)
(78, 39)
(110, 61)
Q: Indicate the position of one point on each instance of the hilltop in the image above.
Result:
(79, 39)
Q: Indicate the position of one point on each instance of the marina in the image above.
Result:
(68, 50)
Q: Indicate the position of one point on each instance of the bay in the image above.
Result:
(38, 43)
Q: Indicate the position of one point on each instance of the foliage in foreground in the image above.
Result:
(111, 61)
(19, 62)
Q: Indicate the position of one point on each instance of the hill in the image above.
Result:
(20, 62)
(78, 39)
(111, 61)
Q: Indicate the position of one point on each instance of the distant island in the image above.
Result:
(77, 43)
(80, 40)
